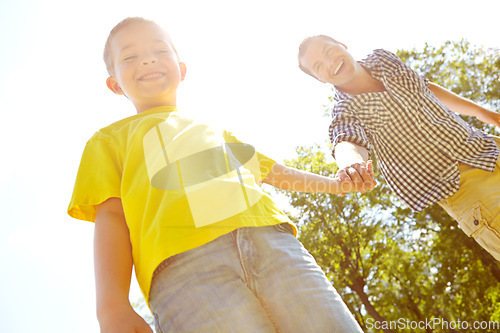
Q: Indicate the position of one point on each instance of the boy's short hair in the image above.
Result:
(107, 48)
(305, 44)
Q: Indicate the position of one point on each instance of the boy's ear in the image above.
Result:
(114, 86)
(183, 69)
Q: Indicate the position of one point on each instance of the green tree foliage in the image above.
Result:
(391, 264)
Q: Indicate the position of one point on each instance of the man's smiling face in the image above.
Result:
(328, 61)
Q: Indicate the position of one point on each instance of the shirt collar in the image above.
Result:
(372, 64)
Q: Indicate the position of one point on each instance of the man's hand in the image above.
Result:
(123, 320)
(357, 177)
(489, 117)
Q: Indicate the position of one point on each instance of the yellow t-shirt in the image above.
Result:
(182, 184)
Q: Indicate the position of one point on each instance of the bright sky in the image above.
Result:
(242, 73)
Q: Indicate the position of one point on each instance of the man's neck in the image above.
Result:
(362, 83)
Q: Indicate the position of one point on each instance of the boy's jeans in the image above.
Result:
(258, 279)
(476, 205)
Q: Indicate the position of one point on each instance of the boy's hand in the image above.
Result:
(124, 320)
(357, 177)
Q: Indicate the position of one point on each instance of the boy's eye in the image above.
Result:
(130, 58)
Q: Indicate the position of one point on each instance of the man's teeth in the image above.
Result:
(338, 67)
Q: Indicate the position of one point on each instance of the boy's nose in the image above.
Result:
(149, 60)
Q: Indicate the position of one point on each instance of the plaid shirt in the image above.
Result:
(418, 141)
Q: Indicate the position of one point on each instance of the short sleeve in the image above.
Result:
(265, 164)
(98, 179)
(345, 126)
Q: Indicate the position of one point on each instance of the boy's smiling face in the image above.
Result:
(328, 61)
(146, 67)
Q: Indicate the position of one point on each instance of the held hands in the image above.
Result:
(123, 320)
(357, 177)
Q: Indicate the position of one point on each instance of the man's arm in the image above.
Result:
(113, 269)
(352, 162)
(291, 179)
(464, 106)
(348, 153)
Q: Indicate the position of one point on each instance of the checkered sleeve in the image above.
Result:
(345, 126)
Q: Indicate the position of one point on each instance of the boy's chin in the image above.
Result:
(159, 91)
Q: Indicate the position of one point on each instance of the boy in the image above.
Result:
(426, 152)
(181, 202)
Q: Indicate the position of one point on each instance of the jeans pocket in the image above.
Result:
(477, 223)
(157, 324)
(472, 221)
(285, 228)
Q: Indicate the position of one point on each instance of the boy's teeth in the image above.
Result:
(338, 67)
(152, 76)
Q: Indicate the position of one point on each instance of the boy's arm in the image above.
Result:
(291, 179)
(113, 269)
(464, 106)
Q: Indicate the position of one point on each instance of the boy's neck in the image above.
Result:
(141, 108)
